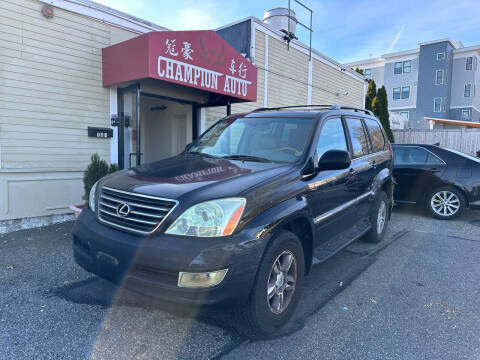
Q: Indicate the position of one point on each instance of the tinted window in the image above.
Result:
(332, 137)
(376, 135)
(357, 136)
(414, 156)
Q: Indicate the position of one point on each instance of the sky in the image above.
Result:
(343, 30)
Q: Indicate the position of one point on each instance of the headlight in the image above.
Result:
(211, 218)
(91, 197)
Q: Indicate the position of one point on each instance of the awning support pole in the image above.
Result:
(138, 137)
(195, 125)
(229, 109)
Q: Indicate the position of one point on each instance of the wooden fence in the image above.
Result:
(464, 140)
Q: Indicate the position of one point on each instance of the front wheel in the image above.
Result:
(379, 215)
(445, 203)
(276, 290)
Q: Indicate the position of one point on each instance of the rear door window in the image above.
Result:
(357, 137)
(376, 135)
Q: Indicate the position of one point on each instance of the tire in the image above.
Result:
(453, 206)
(259, 318)
(380, 210)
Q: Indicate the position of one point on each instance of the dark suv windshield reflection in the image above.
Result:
(256, 139)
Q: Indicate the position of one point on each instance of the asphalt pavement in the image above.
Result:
(414, 296)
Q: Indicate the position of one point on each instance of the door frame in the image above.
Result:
(121, 126)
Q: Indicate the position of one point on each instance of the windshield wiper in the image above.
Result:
(200, 153)
(247, 158)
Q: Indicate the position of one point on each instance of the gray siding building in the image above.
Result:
(437, 80)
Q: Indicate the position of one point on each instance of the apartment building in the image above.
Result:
(439, 79)
(78, 78)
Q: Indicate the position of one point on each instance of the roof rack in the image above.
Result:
(330, 107)
(356, 109)
(292, 107)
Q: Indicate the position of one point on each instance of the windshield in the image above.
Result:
(256, 139)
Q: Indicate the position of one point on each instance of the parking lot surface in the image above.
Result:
(414, 296)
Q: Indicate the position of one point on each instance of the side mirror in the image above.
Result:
(334, 160)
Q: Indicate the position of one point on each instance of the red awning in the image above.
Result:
(197, 59)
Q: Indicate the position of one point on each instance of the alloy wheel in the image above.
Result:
(445, 203)
(281, 282)
(381, 217)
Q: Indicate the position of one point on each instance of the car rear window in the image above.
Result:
(414, 156)
(358, 137)
(376, 135)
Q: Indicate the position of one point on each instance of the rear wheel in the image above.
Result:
(378, 219)
(276, 290)
(445, 203)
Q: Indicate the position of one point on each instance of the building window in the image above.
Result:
(437, 104)
(396, 93)
(402, 67)
(397, 68)
(439, 77)
(469, 63)
(468, 90)
(405, 92)
(465, 114)
(440, 56)
(367, 73)
(405, 114)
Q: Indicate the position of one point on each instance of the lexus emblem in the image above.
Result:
(123, 209)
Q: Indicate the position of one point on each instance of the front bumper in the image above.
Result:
(150, 265)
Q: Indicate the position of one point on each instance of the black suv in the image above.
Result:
(242, 214)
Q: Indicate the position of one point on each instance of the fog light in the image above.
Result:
(199, 280)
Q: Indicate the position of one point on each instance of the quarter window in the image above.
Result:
(437, 104)
(439, 77)
(357, 136)
(376, 135)
(469, 63)
(332, 137)
(405, 92)
(396, 93)
(468, 90)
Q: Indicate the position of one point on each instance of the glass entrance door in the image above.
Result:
(129, 149)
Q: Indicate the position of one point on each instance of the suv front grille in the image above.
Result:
(142, 215)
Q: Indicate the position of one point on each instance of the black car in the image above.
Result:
(445, 181)
(242, 214)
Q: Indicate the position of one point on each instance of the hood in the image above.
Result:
(185, 173)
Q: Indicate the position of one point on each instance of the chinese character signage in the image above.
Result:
(198, 59)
